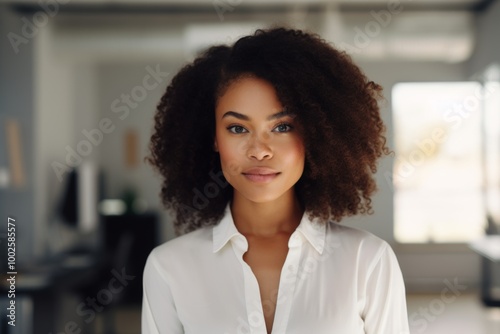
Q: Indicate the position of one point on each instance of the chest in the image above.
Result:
(319, 297)
(266, 259)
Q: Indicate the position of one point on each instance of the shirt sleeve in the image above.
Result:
(385, 310)
(159, 314)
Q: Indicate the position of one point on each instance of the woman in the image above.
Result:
(263, 147)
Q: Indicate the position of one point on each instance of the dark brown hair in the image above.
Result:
(336, 106)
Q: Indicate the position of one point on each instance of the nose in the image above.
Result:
(259, 148)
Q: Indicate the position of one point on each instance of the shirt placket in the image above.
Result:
(255, 317)
(288, 280)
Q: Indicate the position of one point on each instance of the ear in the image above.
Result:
(216, 148)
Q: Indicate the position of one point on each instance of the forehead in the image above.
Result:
(249, 95)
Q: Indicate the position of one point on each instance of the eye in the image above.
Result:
(236, 129)
(283, 127)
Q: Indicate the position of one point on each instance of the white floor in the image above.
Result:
(428, 314)
(465, 314)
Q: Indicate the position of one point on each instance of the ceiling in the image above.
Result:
(424, 30)
(348, 5)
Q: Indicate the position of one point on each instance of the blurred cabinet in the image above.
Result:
(128, 239)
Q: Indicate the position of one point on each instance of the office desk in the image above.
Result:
(127, 241)
(489, 248)
(38, 289)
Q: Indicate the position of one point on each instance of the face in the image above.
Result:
(261, 150)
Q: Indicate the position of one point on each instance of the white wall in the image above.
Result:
(120, 78)
(17, 102)
(54, 116)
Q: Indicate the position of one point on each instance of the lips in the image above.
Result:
(260, 174)
(260, 171)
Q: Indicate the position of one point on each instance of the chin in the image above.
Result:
(260, 196)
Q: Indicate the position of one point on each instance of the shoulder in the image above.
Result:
(354, 243)
(356, 237)
(182, 249)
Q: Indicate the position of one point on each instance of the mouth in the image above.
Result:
(261, 177)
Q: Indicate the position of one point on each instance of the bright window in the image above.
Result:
(438, 170)
(491, 140)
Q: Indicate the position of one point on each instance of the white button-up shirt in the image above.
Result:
(335, 279)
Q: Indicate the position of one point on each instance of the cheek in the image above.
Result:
(295, 152)
(229, 158)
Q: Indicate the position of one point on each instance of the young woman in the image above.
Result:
(263, 147)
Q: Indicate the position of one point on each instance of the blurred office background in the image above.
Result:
(79, 82)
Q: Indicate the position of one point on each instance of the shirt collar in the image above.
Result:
(312, 230)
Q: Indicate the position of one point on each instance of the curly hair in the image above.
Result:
(335, 104)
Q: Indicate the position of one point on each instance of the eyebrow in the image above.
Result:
(243, 117)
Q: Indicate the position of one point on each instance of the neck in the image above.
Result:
(267, 219)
